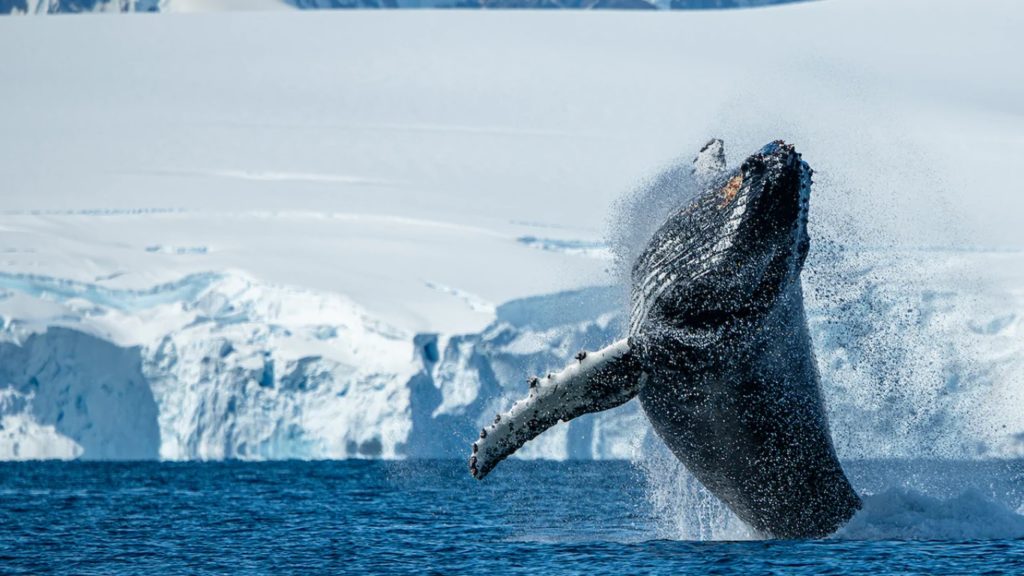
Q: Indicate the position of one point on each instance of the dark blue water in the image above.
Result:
(528, 517)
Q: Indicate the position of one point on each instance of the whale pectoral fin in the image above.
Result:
(597, 381)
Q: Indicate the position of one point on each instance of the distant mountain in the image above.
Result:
(79, 6)
(76, 6)
(725, 4)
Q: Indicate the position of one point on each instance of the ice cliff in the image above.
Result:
(914, 363)
(221, 366)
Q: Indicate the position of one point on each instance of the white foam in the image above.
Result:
(901, 514)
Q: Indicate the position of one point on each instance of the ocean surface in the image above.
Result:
(367, 517)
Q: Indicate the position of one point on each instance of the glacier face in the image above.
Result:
(86, 390)
(221, 366)
(914, 361)
(229, 369)
(466, 379)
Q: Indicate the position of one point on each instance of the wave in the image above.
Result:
(903, 500)
(902, 514)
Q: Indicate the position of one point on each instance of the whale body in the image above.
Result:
(718, 353)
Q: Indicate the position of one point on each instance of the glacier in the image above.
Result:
(243, 370)
(236, 370)
(230, 367)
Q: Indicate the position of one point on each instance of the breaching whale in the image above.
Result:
(718, 353)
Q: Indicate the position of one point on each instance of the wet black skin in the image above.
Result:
(718, 326)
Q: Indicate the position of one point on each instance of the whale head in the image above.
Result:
(727, 254)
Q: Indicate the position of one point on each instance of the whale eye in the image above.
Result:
(731, 188)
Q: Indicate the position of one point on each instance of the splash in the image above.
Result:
(636, 216)
(901, 514)
(920, 355)
(681, 507)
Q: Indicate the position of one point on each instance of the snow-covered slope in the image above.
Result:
(249, 235)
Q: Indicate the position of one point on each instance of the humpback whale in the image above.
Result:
(718, 353)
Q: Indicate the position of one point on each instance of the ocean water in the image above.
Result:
(365, 517)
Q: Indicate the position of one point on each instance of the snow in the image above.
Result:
(325, 194)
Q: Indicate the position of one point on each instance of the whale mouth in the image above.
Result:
(779, 189)
(725, 256)
(763, 240)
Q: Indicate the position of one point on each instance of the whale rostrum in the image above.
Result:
(718, 353)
